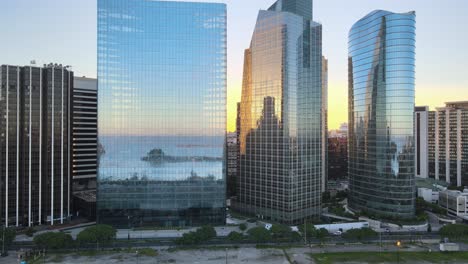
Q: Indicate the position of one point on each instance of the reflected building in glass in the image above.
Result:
(280, 169)
(381, 107)
(162, 113)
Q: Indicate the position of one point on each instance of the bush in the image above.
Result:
(454, 231)
(97, 234)
(235, 236)
(280, 231)
(321, 234)
(360, 234)
(148, 252)
(243, 227)
(10, 234)
(259, 234)
(295, 236)
(202, 234)
(206, 233)
(30, 231)
(53, 240)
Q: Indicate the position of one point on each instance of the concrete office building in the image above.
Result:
(34, 144)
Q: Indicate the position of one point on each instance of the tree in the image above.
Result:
(100, 234)
(454, 231)
(235, 236)
(206, 233)
(9, 234)
(295, 236)
(360, 234)
(189, 238)
(30, 231)
(429, 228)
(310, 232)
(53, 240)
(321, 234)
(243, 227)
(202, 234)
(259, 234)
(280, 231)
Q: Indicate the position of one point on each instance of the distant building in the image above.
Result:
(442, 143)
(84, 146)
(324, 123)
(381, 114)
(428, 195)
(337, 158)
(84, 133)
(34, 144)
(231, 163)
(455, 202)
(341, 132)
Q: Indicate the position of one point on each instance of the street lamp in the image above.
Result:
(398, 244)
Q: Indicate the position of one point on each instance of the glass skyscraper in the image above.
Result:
(162, 113)
(381, 107)
(280, 168)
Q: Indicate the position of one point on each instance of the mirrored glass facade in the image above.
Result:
(381, 105)
(280, 167)
(162, 113)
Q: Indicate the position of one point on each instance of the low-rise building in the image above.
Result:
(455, 202)
(428, 195)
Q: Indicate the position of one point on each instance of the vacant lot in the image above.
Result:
(393, 257)
(234, 256)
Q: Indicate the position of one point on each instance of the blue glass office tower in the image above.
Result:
(162, 113)
(280, 117)
(381, 119)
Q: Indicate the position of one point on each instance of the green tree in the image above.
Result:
(310, 232)
(360, 234)
(100, 234)
(259, 234)
(206, 233)
(9, 234)
(243, 227)
(454, 231)
(235, 236)
(53, 240)
(296, 236)
(202, 234)
(280, 231)
(321, 234)
(30, 231)
(189, 238)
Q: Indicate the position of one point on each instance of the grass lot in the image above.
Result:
(391, 257)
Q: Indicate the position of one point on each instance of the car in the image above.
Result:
(338, 233)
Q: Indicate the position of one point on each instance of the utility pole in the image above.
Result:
(226, 256)
(305, 231)
(3, 241)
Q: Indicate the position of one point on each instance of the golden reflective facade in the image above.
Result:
(280, 117)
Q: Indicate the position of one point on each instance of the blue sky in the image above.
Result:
(64, 31)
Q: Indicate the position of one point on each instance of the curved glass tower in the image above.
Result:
(381, 107)
(280, 117)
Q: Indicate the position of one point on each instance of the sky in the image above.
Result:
(64, 31)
